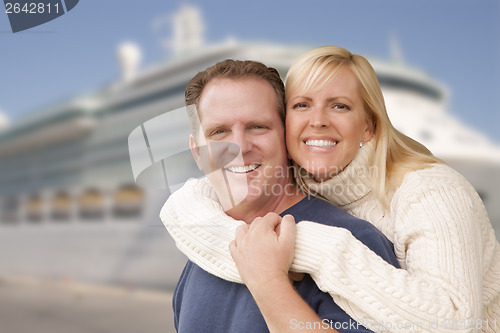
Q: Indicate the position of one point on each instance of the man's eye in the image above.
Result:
(217, 132)
(258, 128)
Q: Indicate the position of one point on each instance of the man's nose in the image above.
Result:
(243, 140)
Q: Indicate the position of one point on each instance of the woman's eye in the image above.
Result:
(341, 107)
(299, 105)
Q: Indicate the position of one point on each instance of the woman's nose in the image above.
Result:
(318, 118)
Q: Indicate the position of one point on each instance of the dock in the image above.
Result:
(31, 305)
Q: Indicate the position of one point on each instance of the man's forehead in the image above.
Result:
(219, 101)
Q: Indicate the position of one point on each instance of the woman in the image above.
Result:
(348, 152)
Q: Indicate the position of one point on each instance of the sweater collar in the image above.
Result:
(348, 186)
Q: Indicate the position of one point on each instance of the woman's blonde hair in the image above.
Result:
(395, 153)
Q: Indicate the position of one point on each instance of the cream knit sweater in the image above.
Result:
(443, 239)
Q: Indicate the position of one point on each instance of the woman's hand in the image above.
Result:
(263, 254)
(264, 250)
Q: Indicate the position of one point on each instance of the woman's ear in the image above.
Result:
(369, 129)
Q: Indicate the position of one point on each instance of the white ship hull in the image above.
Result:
(136, 251)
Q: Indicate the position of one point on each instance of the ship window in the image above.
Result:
(34, 208)
(61, 207)
(91, 205)
(400, 83)
(128, 201)
(9, 210)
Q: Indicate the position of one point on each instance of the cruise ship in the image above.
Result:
(82, 182)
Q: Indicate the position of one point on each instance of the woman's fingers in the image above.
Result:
(232, 248)
(260, 253)
(241, 231)
(267, 223)
(288, 229)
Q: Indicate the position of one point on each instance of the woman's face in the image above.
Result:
(324, 128)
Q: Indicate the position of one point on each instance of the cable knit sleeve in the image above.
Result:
(437, 241)
(201, 229)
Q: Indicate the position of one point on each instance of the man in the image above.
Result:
(236, 114)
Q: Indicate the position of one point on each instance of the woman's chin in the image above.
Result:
(323, 174)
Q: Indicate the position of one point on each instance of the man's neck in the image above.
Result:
(289, 199)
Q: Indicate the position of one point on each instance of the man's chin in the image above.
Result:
(232, 195)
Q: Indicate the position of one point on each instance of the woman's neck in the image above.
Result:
(349, 185)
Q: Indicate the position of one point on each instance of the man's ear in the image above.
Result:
(195, 150)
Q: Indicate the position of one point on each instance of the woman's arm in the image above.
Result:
(201, 229)
(441, 284)
(438, 240)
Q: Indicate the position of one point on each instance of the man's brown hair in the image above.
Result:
(231, 69)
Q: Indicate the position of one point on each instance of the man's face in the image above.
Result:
(242, 113)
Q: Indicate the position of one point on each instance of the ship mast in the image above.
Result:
(188, 30)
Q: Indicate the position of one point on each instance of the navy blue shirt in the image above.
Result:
(203, 302)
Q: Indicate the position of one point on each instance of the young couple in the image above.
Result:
(399, 241)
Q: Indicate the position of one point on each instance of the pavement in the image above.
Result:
(42, 306)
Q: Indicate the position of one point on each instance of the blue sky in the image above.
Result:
(456, 41)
